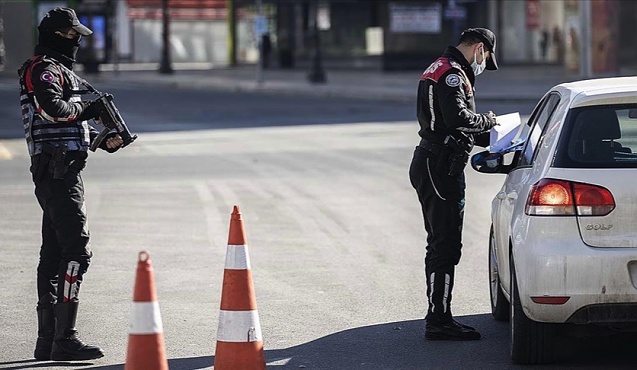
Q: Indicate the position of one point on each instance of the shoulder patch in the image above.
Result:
(453, 80)
(47, 76)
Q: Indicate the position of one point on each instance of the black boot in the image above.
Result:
(46, 332)
(440, 323)
(67, 346)
(450, 330)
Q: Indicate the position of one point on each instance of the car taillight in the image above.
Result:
(550, 197)
(592, 200)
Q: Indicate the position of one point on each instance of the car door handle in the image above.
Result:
(501, 195)
(512, 196)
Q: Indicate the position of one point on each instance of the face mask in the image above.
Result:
(478, 68)
(67, 47)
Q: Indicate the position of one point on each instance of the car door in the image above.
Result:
(518, 179)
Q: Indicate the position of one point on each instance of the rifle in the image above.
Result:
(108, 115)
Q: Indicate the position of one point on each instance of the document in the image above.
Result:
(505, 135)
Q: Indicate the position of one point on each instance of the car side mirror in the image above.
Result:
(486, 162)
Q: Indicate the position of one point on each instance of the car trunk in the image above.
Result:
(598, 147)
(618, 229)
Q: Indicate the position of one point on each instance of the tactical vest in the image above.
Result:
(39, 130)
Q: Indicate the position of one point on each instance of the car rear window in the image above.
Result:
(599, 136)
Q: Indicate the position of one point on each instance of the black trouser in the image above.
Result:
(442, 198)
(64, 254)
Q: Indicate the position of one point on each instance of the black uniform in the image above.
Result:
(57, 141)
(449, 127)
(58, 137)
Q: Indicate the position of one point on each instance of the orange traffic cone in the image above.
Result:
(146, 348)
(239, 338)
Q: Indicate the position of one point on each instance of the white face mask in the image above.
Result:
(478, 68)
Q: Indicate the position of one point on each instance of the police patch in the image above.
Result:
(47, 76)
(453, 80)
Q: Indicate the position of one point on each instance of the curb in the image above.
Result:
(276, 87)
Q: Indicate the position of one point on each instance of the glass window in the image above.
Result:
(535, 136)
(600, 136)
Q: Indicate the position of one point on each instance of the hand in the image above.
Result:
(114, 142)
(492, 117)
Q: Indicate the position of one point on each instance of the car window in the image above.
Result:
(534, 137)
(600, 136)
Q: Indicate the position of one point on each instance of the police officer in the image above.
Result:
(449, 127)
(58, 137)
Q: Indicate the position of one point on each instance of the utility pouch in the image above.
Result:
(57, 164)
(457, 163)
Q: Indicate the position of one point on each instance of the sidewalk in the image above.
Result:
(509, 83)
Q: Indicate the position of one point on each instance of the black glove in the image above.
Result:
(91, 110)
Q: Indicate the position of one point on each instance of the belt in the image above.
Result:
(431, 147)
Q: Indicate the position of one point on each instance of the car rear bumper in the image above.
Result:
(601, 283)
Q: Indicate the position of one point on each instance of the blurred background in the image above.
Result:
(585, 37)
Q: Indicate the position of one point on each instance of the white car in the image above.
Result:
(563, 242)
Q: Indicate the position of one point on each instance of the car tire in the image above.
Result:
(499, 302)
(531, 342)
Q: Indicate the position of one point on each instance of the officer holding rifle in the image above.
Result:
(58, 138)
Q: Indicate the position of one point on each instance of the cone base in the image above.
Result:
(239, 356)
(146, 351)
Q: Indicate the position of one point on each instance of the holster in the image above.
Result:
(451, 157)
(51, 160)
(457, 162)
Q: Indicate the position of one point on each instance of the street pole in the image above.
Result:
(232, 33)
(317, 74)
(2, 49)
(586, 65)
(113, 10)
(455, 24)
(259, 37)
(164, 66)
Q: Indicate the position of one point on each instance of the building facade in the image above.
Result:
(378, 34)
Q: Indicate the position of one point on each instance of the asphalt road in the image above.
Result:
(334, 231)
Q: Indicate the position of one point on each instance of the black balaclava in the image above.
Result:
(66, 47)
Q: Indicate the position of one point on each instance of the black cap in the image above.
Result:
(488, 38)
(61, 18)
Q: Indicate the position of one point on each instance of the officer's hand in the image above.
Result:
(91, 110)
(112, 143)
(492, 118)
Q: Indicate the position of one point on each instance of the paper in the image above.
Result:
(505, 134)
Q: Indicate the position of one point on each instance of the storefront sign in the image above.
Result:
(604, 31)
(456, 13)
(532, 14)
(405, 18)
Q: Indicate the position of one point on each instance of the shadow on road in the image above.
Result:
(35, 364)
(401, 346)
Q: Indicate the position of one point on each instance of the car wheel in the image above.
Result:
(531, 342)
(499, 303)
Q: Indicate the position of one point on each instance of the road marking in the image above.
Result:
(5, 153)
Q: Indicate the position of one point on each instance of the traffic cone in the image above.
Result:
(239, 338)
(146, 348)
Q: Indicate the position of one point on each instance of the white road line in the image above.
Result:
(5, 154)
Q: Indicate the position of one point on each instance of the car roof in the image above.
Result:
(613, 90)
